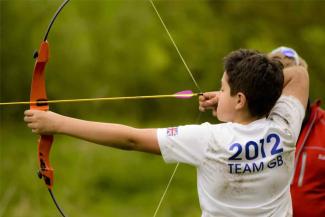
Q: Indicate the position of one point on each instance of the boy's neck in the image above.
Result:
(245, 119)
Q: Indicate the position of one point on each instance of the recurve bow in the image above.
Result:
(37, 95)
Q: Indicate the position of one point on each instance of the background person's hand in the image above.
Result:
(287, 61)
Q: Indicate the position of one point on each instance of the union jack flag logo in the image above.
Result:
(172, 131)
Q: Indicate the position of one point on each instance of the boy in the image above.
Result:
(307, 185)
(243, 166)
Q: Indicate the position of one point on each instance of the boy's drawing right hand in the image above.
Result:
(209, 100)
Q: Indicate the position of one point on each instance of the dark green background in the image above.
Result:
(105, 48)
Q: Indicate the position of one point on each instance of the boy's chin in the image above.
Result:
(215, 113)
(222, 118)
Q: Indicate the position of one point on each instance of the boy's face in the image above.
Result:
(226, 103)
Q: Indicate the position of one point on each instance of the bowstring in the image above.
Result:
(56, 204)
(171, 178)
(176, 47)
(197, 86)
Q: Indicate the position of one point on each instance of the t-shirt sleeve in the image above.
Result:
(185, 144)
(289, 113)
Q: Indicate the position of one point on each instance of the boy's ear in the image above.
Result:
(241, 100)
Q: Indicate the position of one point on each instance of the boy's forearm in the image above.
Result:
(294, 72)
(113, 135)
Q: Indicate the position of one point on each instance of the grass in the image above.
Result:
(90, 180)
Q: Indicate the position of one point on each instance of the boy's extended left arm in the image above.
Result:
(108, 134)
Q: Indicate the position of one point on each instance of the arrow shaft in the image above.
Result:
(101, 99)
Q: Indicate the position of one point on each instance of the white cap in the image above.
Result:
(288, 52)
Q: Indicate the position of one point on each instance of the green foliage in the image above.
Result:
(89, 180)
(105, 48)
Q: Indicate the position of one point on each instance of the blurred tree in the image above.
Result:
(118, 48)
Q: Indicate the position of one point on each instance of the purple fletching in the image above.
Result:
(185, 94)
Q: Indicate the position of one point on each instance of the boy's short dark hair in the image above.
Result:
(258, 77)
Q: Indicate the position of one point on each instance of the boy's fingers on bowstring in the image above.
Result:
(207, 95)
(205, 106)
(208, 100)
(201, 109)
(202, 100)
(210, 94)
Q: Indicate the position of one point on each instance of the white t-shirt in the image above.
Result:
(242, 170)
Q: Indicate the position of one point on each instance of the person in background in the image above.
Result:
(308, 183)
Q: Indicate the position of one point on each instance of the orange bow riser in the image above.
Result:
(38, 95)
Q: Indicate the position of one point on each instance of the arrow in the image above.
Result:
(186, 94)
